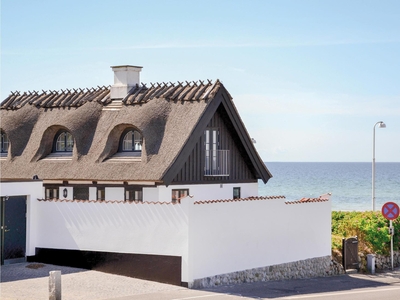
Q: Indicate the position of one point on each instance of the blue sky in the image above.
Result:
(309, 78)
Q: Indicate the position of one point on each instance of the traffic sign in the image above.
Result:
(390, 210)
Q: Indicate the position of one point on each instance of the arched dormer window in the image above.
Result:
(131, 141)
(4, 142)
(63, 142)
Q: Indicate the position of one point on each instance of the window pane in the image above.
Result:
(60, 144)
(236, 192)
(138, 141)
(127, 141)
(64, 142)
(177, 195)
(51, 193)
(138, 195)
(4, 143)
(69, 141)
(81, 193)
(214, 139)
(101, 194)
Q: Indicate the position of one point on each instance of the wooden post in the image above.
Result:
(55, 285)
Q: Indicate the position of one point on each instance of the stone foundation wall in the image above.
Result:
(308, 268)
(383, 262)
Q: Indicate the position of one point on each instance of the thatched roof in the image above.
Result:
(167, 115)
(31, 121)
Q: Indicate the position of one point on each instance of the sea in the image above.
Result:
(349, 182)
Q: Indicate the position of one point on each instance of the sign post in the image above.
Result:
(390, 211)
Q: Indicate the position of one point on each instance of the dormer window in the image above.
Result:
(63, 142)
(131, 141)
(4, 142)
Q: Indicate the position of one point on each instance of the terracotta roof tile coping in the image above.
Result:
(307, 200)
(240, 199)
(105, 201)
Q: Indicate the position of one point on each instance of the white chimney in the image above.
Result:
(125, 78)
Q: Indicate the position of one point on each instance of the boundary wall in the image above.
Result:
(212, 238)
(228, 236)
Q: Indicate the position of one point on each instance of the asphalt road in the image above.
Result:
(346, 287)
(353, 286)
(24, 283)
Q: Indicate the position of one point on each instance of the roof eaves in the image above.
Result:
(244, 136)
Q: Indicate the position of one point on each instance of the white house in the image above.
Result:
(131, 178)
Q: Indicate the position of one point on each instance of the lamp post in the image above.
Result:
(380, 125)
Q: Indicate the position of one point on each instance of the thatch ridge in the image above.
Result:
(139, 94)
(53, 99)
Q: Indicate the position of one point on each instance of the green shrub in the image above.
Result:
(371, 228)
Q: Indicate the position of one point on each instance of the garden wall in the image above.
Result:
(230, 236)
(211, 237)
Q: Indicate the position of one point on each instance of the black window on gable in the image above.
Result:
(4, 142)
(131, 141)
(63, 142)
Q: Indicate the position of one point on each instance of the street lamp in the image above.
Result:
(380, 125)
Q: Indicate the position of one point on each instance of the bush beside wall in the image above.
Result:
(372, 230)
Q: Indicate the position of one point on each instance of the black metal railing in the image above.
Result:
(217, 163)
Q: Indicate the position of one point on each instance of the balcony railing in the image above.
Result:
(217, 163)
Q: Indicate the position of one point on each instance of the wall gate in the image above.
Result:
(350, 253)
(13, 229)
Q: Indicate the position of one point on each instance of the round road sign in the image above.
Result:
(390, 210)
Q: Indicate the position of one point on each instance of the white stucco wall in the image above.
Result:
(92, 193)
(32, 190)
(212, 239)
(208, 191)
(232, 236)
(114, 227)
(70, 192)
(114, 193)
(151, 194)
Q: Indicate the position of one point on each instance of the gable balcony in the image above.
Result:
(217, 163)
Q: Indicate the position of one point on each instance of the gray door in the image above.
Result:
(13, 229)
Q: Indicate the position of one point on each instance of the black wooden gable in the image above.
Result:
(245, 165)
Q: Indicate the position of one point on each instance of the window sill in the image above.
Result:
(126, 157)
(58, 157)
